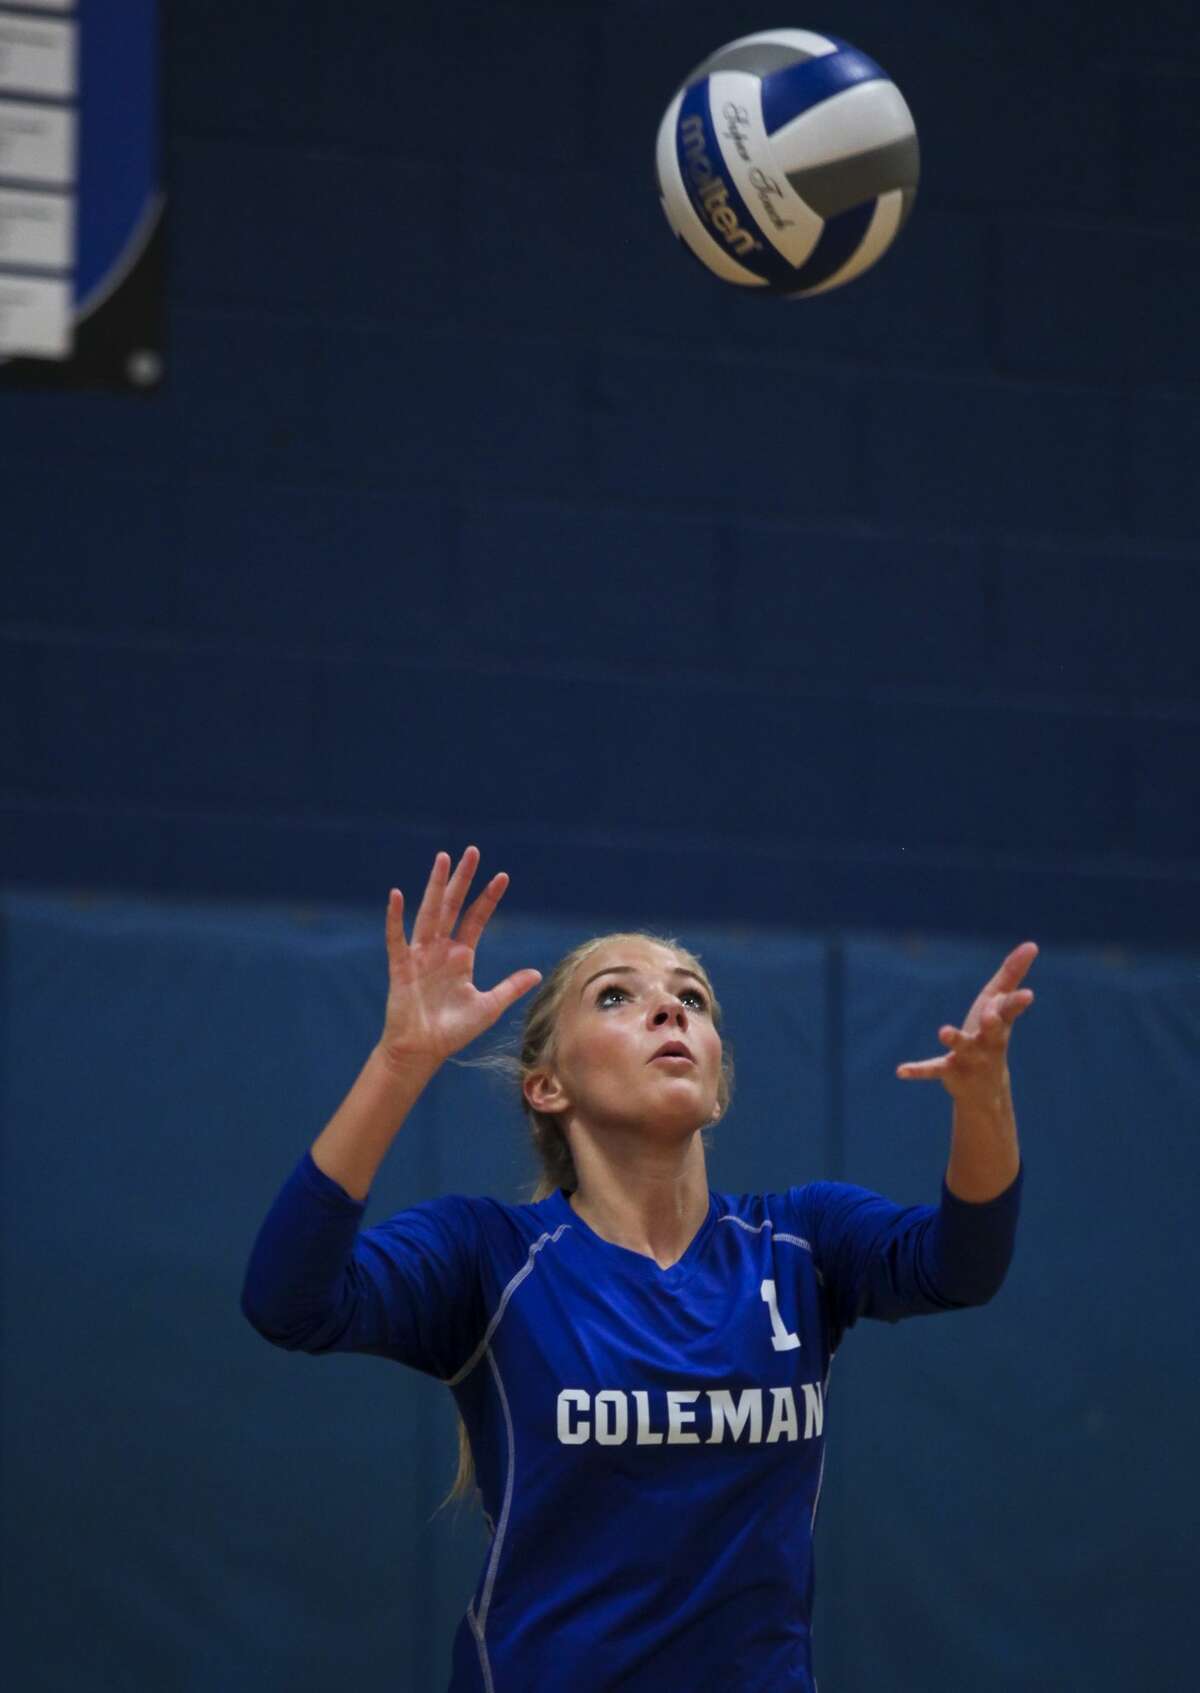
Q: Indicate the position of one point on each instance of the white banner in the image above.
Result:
(37, 229)
(35, 317)
(37, 143)
(38, 57)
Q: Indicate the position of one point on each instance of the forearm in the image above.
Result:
(354, 1142)
(984, 1153)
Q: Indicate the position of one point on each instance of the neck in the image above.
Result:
(649, 1200)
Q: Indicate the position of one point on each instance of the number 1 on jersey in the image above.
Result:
(781, 1339)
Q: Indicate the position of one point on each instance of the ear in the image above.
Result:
(545, 1092)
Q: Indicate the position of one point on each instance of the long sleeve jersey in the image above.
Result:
(649, 1443)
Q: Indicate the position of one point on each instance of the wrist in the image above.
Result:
(984, 1152)
(406, 1068)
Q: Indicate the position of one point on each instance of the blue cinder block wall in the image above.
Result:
(473, 510)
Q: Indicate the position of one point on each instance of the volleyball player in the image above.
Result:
(640, 1365)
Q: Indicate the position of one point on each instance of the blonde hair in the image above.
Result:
(538, 1048)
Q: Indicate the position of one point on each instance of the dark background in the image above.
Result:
(851, 641)
(474, 510)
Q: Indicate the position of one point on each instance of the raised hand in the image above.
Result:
(978, 1056)
(433, 1008)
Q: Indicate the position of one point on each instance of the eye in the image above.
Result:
(687, 993)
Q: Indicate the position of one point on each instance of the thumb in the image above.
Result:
(509, 991)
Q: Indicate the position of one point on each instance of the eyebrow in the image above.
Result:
(614, 968)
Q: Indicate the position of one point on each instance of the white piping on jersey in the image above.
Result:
(820, 1479)
(824, 1449)
(514, 1284)
(729, 1217)
(767, 1223)
(485, 1667)
(478, 1619)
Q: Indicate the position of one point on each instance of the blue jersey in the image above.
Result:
(649, 1444)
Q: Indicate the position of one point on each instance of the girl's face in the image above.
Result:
(625, 1001)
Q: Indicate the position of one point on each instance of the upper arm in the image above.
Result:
(412, 1290)
(869, 1251)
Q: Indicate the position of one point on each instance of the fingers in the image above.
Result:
(989, 1024)
(476, 920)
(429, 915)
(1015, 967)
(926, 1070)
(397, 946)
(444, 895)
(962, 1046)
(996, 1019)
(443, 901)
(1012, 1004)
(456, 890)
(508, 991)
(997, 1015)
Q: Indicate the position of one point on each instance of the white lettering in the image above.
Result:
(568, 1397)
(612, 1417)
(783, 1416)
(677, 1413)
(644, 1436)
(749, 1410)
(781, 1338)
(735, 1416)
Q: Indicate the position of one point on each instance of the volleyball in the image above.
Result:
(787, 162)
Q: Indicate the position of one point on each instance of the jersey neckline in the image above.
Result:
(640, 1263)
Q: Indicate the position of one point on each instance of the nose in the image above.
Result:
(665, 1009)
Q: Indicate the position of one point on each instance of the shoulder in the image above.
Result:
(806, 1208)
(782, 1213)
(488, 1222)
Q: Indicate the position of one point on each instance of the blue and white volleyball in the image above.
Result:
(788, 162)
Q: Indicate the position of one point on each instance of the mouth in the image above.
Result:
(673, 1052)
